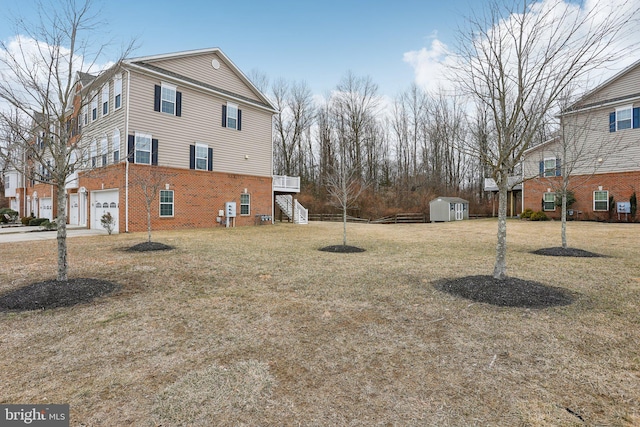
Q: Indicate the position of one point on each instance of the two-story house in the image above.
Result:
(189, 126)
(597, 148)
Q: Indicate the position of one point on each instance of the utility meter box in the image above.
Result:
(624, 207)
(230, 209)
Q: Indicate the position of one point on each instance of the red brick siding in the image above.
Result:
(198, 196)
(620, 185)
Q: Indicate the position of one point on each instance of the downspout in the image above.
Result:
(126, 175)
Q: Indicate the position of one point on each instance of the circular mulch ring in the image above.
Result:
(342, 249)
(560, 251)
(53, 294)
(508, 292)
(150, 246)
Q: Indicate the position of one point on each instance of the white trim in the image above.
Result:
(102, 99)
(245, 204)
(135, 147)
(173, 88)
(117, 84)
(231, 105)
(544, 209)
(206, 157)
(173, 204)
(607, 201)
(628, 108)
(544, 167)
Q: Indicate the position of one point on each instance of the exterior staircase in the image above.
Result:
(292, 209)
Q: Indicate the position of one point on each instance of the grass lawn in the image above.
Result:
(254, 326)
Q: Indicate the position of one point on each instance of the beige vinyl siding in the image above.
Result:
(625, 85)
(199, 67)
(619, 151)
(201, 121)
(105, 125)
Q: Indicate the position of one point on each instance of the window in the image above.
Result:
(550, 167)
(623, 117)
(105, 99)
(168, 99)
(103, 151)
(94, 108)
(117, 91)
(601, 200)
(85, 115)
(232, 116)
(116, 146)
(549, 202)
(202, 152)
(142, 149)
(94, 154)
(245, 204)
(166, 203)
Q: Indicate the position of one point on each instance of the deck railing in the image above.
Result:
(285, 183)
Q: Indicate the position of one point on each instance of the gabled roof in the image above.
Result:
(578, 105)
(450, 200)
(146, 63)
(84, 78)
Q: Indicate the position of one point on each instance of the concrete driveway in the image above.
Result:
(24, 234)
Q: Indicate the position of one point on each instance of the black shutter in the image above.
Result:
(239, 119)
(558, 167)
(192, 157)
(224, 116)
(131, 148)
(612, 122)
(178, 104)
(210, 159)
(636, 117)
(541, 165)
(154, 152)
(156, 99)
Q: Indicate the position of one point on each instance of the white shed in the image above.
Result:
(445, 209)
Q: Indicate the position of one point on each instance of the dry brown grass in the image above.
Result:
(255, 326)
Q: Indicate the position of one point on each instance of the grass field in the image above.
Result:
(254, 326)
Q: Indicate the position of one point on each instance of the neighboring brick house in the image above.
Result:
(598, 148)
(191, 120)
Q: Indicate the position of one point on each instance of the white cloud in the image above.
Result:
(430, 65)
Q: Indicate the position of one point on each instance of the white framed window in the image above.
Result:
(105, 99)
(232, 116)
(202, 156)
(104, 150)
(166, 203)
(168, 99)
(624, 117)
(601, 200)
(245, 204)
(94, 108)
(85, 115)
(549, 202)
(116, 145)
(550, 167)
(142, 149)
(93, 152)
(117, 91)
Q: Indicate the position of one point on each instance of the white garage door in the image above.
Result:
(101, 203)
(46, 208)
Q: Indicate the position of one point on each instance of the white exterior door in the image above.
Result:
(459, 211)
(103, 202)
(46, 208)
(73, 209)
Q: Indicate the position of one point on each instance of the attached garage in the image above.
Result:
(46, 208)
(104, 201)
(444, 209)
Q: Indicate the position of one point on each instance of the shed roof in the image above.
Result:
(450, 200)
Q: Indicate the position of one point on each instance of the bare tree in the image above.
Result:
(147, 182)
(516, 61)
(37, 75)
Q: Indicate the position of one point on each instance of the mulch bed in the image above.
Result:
(342, 249)
(53, 294)
(508, 292)
(560, 251)
(150, 246)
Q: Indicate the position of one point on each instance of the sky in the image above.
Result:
(313, 41)
(394, 42)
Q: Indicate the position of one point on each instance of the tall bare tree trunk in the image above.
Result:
(61, 221)
(500, 268)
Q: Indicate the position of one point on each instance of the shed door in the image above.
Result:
(459, 211)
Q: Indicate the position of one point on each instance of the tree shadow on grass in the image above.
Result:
(508, 292)
(54, 294)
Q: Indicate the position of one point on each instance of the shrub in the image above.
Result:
(35, 222)
(108, 222)
(539, 216)
(25, 220)
(633, 201)
(13, 215)
(48, 225)
(526, 214)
